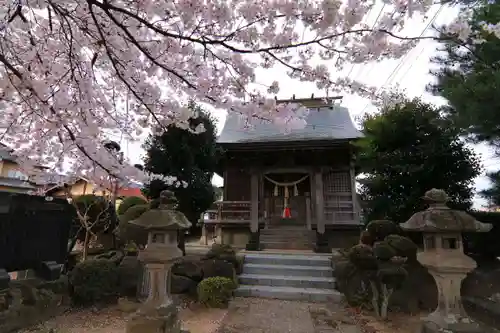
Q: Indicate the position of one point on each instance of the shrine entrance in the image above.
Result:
(286, 196)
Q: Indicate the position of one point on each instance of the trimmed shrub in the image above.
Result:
(127, 233)
(380, 229)
(130, 202)
(94, 281)
(215, 292)
(225, 252)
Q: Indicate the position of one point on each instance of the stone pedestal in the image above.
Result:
(448, 268)
(445, 259)
(159, 314)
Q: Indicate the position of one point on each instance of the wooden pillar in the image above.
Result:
(320, 205)
(355, 208)
(254, 210)
(224, 190)
(204, 236)
(312, 195)
(308, 213)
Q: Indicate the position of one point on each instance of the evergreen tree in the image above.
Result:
(407, 150)
(190, 157)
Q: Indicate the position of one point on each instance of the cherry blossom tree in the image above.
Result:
(74, 71)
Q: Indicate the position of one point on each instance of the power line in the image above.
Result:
(398, 67)
(413, 62)
(406, 57)
(372, 65)
(373, 26)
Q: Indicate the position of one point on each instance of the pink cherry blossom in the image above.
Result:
(70, 66)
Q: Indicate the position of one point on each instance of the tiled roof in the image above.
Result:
(326, 122)
(130, 192)
(16, 183)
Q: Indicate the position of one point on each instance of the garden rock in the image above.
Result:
(190, 267)
(218, 267)
(114, 256)
(182, 284)
(29, 302)
(130, 271)
(224, 252)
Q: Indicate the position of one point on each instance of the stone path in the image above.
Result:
(253, 315)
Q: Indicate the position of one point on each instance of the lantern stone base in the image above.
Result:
(434, 323)
(159, 319)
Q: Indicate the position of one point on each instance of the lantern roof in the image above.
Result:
(165, 217)
(439, 218)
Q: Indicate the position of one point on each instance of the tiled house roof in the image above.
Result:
(324, 122)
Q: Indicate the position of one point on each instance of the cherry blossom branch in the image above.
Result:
(68, 67)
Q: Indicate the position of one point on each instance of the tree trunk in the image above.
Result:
(386, 295)
(375, 298)
(86, 245)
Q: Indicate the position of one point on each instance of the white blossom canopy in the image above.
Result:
(68, 67)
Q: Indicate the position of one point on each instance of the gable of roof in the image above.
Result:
(325, 121)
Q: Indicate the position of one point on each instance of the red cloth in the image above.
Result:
(286, 213)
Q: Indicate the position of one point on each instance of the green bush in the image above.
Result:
(128, 233)
(215, 292)
(380, 229)
(130, 202)
(403, 246)
(383, 251)
(94, 281)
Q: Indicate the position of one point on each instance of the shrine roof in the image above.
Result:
(325, 121)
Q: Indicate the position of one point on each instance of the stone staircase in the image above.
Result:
(287, 237)
(306, 277)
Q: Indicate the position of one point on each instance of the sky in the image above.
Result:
(411, 73)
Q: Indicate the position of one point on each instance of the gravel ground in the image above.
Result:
(245, 315)
(196, 319)
(254, 315)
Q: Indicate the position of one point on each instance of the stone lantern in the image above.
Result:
(444, 257)
(158, 313)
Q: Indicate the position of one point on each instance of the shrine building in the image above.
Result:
(293, 190)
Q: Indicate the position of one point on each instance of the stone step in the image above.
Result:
(286, 234)
(287, 245)
(289, 293)
(300, 240)
(287, 229)
(287, 259)
(287, 281)
(287, 270)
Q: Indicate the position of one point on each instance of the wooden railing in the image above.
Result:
(223, 212)
(228, 212)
